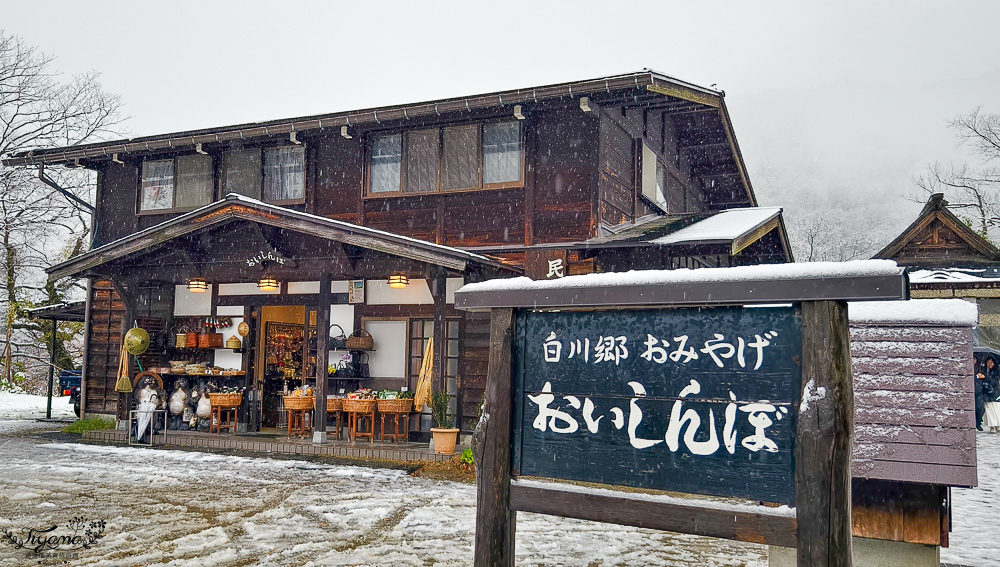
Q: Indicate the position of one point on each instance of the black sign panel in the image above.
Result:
(698, 400)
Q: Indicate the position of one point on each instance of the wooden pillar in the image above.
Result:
(439, 292)
(823, 441)
(85, 369)
(52, 367)
(322, 334)
(491, 445)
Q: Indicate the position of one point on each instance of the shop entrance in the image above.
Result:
(283, 360)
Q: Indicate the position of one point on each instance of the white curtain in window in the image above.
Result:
(157, 185)
(194, 181)
(241, 172)
(284, 173)
(501, 152)
(387, 153)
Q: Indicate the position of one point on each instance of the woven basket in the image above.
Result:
(334, 404)
(395, 406)
(360, 340)
(225, 400)
(210, 340)
(359, 406)
(233, 343)
(192, 340)
(300, 402)
(181, 340)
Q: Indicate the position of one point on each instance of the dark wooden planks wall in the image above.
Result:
(914, 410)
(107, 313)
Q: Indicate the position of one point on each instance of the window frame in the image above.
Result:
(262, 151)
(305, 174)
(440, 190)
(176, 178)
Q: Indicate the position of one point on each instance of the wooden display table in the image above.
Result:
(223, 417)
(359, 413)
(335, 408)
(299, 423)
(399, 412)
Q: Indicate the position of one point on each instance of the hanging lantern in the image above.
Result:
(268, 283)
(398, 281)
(197, 285)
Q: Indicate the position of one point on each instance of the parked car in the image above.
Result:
(69, 383)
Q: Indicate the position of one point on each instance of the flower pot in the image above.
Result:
(444, 440)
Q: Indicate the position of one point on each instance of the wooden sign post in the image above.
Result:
(677, 386)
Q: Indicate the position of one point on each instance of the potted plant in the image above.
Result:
(445, 436)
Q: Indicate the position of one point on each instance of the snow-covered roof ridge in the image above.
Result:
(936, 312)
(726, 225)
(762, 272)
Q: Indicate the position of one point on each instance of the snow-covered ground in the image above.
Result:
(176, 508)
(166, 507)
(975, 537)
(25, 406)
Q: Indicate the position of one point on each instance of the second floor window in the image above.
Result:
(275, 174)
(447, 159)
(181, 183)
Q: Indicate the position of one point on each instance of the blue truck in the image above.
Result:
(69, 384)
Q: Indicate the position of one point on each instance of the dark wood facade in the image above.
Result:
(582, 147)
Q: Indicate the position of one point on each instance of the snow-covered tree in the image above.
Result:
(39, 107)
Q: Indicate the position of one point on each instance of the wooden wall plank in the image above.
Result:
(758, 527)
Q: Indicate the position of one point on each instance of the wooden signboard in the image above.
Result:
(687, 400)
(692, 385)
(546, 263)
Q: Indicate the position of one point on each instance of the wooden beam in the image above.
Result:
(763, 527)
(322, 332)
(823, 442)
(439, 284)
(685, 93)
(491, 444)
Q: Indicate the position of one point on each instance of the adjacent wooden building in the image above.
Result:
(638, 170)
(946, 258)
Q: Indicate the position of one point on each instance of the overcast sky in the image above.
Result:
(834, 104)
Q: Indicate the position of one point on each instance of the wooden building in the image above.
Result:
(639, 170)
(945, 258)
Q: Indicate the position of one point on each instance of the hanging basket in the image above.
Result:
(233, 342)
(360, 340)
(181, 340)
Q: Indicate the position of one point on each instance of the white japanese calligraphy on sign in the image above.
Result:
(556, 269)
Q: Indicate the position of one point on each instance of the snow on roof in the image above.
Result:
(948, 275)
(725, 226)
(763, 272)
(948, 312)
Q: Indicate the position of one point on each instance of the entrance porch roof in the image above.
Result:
(237, 207)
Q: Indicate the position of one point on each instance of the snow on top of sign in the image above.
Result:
(727, 225)
(714, 504)
(951, 312)
(762, 272)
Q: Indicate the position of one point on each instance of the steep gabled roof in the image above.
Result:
(937, 238)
